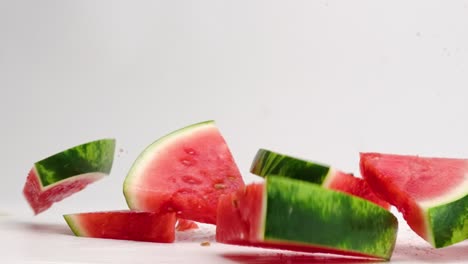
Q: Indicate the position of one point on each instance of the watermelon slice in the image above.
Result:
(63, 174)
(267, 162)
(185, 225)
(184, 172)
(291, 214)
(126, 225)
(431, 193)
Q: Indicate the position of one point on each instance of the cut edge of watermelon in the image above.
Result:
(262, 223)
(92, 176)
(73, 223)
(329, 177)
(145, 157)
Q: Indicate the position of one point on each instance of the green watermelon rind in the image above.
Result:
(73, 224)
(448, 223)
(313, 218)
(267, 162)
(148, 153)
(93, 157)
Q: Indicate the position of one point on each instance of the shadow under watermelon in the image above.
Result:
(290, 258)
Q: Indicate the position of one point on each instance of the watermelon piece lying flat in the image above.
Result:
(63, 174)
(126, 225)
(184, 172)
(431, 193)
(184, 225)
(267, 162)
(290, 214)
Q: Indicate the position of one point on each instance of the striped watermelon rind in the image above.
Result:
(298, 215)
(267, 162)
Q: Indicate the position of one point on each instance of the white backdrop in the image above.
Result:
(318, 79)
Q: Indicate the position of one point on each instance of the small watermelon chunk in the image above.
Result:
(184, 172)
(267, 162)
(63, 174)
(290, 214)
(431, 193)
(125, 225)
(185, 225)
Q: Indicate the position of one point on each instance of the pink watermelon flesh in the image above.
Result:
(347, 183)
(40, 199)
(408, 182)
(238, 223)
(185, 225)
(186, 174)
(125, 225)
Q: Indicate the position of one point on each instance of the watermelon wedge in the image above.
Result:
(267, 162)
(125, 225)
(54, 178)
(290, 214)
(184, 172)
(431, 193)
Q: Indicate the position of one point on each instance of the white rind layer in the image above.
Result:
(329, 178)
(90, 175)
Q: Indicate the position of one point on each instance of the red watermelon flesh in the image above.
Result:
(185, 225)
(41, 199)
(125, 225)
(237, 213)
(420, 187)
(184, 172)
(347, 183)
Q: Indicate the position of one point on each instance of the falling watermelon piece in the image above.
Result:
(267, 162)
(185, 225)
(184, 172)
(431, 193)
(126, 225)
(290, 214)
(54, 178)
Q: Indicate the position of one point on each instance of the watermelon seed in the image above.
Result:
(219, 186)
(205, 243)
